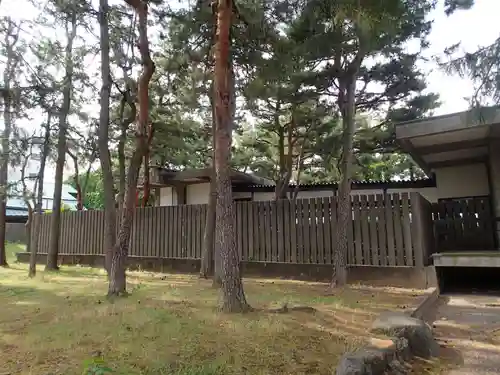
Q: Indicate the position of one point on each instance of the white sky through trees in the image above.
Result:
(473, 28)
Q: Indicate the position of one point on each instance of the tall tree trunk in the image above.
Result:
(103, 139)
(207, 257)
(7, 118)
(27, 227)
(124, 125)
(39, 199)
(344, 210)
(76, 179)
(147, 182)
(233, 296)
(5, 167)
(26, 198)
(117, 279)
(55, 224)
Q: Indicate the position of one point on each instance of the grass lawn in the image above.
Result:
(56, 323)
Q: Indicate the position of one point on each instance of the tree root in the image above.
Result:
(285, 309)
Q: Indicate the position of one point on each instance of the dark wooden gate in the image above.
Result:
(464, 224)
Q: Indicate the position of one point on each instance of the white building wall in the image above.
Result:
(197, 193)
(462, 181)
(168, 196)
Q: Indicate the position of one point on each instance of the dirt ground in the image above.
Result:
(468, 327)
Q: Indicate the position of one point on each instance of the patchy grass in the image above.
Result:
(60, 323)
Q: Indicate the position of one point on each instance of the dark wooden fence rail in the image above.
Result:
(386, 230)
(464, 224)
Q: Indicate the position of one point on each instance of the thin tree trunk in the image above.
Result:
(26, 198)
(39, 200)
(55, 226)
(347, 107)
(124, 125)
(233, 296)
(7, 117)
(27, 228)
(207, 256)
(147, 182)
(117, 279)
(76, 179)
(103, 139)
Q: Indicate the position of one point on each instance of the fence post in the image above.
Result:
(421, 227)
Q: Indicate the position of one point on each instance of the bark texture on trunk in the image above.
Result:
(55, 225)
(344, 210)
(103, 138)
(147, 176)
(39, 199)
(10, 40)
(233, 296)
(117, 278)
(124, 126)
(208, 255)
(76, 180)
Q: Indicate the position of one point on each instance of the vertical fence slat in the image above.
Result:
(356, 206)
(320, 226)
(251, 231)
(190, 251)
(174, 228)
(389, 221)
(405, 205)
(280, 226)
(398, 230)
(373, 211)
(286, 217)
(350, 239)
(238, 227)
(274, 231)
(382, 233)
(330, 217)
(313, 230)
(306, 230)
(245, 230)
(267, 232)
(293, 232)
(300, 252)
(261, 237)
(365, 231)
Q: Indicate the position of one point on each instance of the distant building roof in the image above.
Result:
(67, 197)
(356, 185)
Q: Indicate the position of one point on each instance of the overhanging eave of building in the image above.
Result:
(450, 140)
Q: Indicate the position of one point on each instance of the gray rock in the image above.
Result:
(397, 368)
(419, 335)
(375, 359)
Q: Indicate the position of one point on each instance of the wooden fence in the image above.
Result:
(464, 224)
(386, 230)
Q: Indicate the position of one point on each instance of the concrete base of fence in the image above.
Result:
(403, 277)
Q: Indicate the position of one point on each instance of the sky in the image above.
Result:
(472, 28)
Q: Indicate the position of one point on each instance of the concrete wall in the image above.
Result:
(462, 181)
(403, 277)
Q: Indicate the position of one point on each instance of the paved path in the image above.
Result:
(469, 328)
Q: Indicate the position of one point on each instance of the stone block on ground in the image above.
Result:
(379, 357)
(417, 332)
